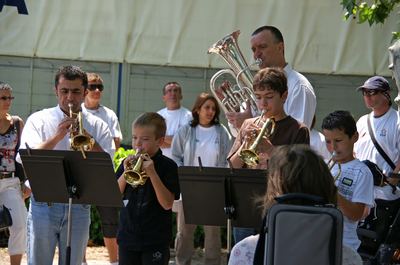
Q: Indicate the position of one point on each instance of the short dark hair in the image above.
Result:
(275, 32)
(71, 72)
(152, 119)
(272, 78)
(341, 120)
(201, 99)
(171, 83)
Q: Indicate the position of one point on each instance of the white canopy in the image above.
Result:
(179, 32)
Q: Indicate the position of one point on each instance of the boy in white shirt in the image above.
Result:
(352, 177)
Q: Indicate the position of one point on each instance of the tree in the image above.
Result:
(374, 12)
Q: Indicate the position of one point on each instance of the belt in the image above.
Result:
(5, 175)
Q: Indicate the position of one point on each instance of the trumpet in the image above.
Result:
(332, 163)
(78, 139)
(134, 174)
(232, 99)
(249, 156)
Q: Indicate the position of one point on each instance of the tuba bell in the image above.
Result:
(133, 174)
(78, 139)
(249, 156)
(233, 98)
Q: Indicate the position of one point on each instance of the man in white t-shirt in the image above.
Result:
(93, 105)
(385, 124)
(108, 215)
(174, 114)
(268, 45)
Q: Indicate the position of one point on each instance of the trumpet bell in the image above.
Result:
(80, 140)
(134, 178)
(249, 157)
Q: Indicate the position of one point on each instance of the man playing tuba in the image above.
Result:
(268, 47)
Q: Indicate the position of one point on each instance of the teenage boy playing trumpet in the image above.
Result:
(270, 89)
(145, 229)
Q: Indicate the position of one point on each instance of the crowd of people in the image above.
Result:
(141, 231)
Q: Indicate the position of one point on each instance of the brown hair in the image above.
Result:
(152, 119)
(298, 169)
(270, 78)
(201, 99)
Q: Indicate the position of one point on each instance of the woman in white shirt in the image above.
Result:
(206, 138)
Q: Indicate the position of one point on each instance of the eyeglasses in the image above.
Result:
(369, 93)
(93, 87)
(6, 98)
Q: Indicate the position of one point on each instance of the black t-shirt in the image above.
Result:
(143, 222)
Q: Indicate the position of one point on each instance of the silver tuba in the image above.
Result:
(232, 99)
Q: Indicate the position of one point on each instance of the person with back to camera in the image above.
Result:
(270, 88)
(145, 227)
(352, 177)
(268, 45)
(291, 169)
(206, 138)
(10, 188)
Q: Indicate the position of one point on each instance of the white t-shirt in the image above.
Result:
(301, 100)
(387, 133)
(243, 253)
(109, 116)
(42, 125)
(174, 120)
(317, 143)
(355, 183)
(206, 146)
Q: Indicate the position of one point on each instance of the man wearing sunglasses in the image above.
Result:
(385, 125)
(108, 215)
(93, 105)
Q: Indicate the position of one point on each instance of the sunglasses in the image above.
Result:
(6, 98)
(93, 87)
(366, 92)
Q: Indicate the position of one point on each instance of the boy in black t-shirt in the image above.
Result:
(145, 229)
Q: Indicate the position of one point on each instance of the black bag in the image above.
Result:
(5, 217)
(379, 232)
(379, 178)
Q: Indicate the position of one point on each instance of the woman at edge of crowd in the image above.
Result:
(10, 189)
(206, 138)
(288, 173)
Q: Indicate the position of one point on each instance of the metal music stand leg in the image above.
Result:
(229, 211)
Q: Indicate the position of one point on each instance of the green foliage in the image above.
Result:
(120, 155)
(373, 11)
(95, 233)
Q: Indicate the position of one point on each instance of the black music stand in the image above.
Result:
(66, 177)
(222, 196)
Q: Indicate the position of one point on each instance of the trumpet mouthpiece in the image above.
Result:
(258, 61)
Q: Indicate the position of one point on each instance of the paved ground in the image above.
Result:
(98, 256)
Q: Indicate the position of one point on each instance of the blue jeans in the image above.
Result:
(47, 228)
(240, 233)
